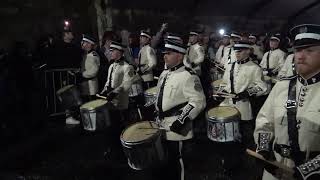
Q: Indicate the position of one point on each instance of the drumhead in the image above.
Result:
(216, 83)
(94, 104)
(151, 91)
(63, 89)
(223, 113)
(139, 132)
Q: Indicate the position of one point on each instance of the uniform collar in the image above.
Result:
(243, 61)
(90, 51)
(312, 80)
(120, 61)
(175, 67)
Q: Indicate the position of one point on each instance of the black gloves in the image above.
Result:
(265, 154)
(193, 65)
(111, 96)
(181, 127)
(242, 95)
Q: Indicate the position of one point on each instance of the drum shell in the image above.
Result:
(96, 119)
(146, 154)
(149, 98)
(70, 97)
(224, 130)
(135, 90)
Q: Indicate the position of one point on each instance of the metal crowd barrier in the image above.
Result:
(54, 80)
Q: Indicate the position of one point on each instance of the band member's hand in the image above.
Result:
(242, 95)
(181, 127)
(265, 154)
(104, 93)
(139, 72)
(111, 96)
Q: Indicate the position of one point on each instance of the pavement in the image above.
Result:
(60, 152)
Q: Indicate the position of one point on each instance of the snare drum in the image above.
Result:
(150, 96)
(142, 145)
(69, 96)
(217, 84)
(223, 124)
(95, 115)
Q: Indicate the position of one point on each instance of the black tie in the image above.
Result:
(229, 56)
(268, 63)
(232, 78)
(139, 63)
(160, 96)
(110, 77)
(222, 52)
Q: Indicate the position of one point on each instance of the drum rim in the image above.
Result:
(91, 108)
(128, 143)
(59, 91)
(224, 120)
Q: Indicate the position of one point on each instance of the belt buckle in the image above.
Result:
(291, 104)
(285, 152)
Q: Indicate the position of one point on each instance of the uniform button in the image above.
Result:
(303, 94)
(298, 126)
(304, 89)
(299, 121)
(301, 99)
(300, 104)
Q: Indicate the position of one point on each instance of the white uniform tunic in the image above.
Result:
(275, 59)
(272, 123)
(287, 68)
(247, 76)
(89, 69)
(194, 57)
(120, 78)
(147, 61)
(181, 87)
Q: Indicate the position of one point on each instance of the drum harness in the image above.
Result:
(292, 151)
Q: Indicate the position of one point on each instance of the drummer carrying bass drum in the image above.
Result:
(180, 99)
(121, 75)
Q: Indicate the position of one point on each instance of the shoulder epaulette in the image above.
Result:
(190, 71)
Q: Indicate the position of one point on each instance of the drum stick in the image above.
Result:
(155, 77)
(155, 128)
(275, 163)
(219, 67)
(99, 96)
(225, 95)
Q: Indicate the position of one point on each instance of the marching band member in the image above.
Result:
(244, 80)
(272, 60)
(180, 99)
(230, 56)
(257, 50)
(89, 68)
(147, 60)
(288, 126)
(120, 78)
(195, 53)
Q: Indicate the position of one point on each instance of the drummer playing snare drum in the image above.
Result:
(116, 90)
(180, 99)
